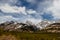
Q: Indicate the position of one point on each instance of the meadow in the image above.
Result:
(30, 36)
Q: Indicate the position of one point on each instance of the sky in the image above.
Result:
(31, 10)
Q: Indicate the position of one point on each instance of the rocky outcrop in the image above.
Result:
(21, 27)
(29, 27)
(55, 27)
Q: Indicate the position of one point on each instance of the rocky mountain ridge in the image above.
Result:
(47, 26)
(12, 26)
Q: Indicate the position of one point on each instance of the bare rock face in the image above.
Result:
(12, 26)
(43, 24)
(23, 27)
(55, 27)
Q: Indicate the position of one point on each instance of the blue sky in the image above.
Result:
(31, 10)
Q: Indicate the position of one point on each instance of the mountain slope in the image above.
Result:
(21, 27)
(55, 27)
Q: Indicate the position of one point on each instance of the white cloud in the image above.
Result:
(8, 18)
(55, 9)
(5, 18)
(30, 11)
(34, 21)
(11, 2)
(6, 7)
(42, 6)
(45, 6)
(12, 9)
(48, 6)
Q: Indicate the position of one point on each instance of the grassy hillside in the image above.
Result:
(28, 36)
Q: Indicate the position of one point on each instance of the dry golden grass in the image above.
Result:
(7, 37)
(14, 35)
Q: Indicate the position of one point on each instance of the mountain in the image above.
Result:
(49, 26)
(15, 26)
(55, 27)
(43, 24)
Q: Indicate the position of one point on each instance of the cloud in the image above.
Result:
(49, 7)
(42, 6)
(15, 9)
(11, 2)
(10, 13)
(33, 20)
(12, 9)
(30, 11)
(5, 18)
(55, 9)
